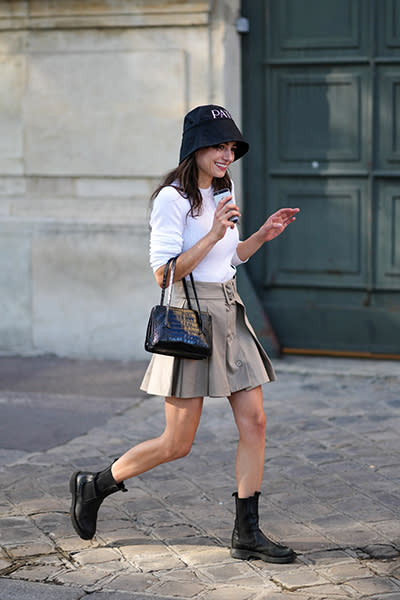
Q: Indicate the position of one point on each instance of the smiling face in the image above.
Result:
(213, 161)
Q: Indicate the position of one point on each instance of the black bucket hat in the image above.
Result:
(207, 126)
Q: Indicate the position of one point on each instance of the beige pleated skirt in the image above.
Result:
(238, 360)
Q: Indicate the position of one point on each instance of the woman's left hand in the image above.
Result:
(277, 223)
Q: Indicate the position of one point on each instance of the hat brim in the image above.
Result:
(210, 134)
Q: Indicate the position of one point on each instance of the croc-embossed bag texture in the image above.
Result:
(179, 332)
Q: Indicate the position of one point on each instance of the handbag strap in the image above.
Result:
(198, 312)
(171, 279)
(164, 283)
(194, 293)
(172, 262)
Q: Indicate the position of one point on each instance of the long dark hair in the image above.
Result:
(185, 179)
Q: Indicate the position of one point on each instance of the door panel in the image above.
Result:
(336, 318)
(317, 28)
(327, 247)
(388, 27)
(388, 117)
(323, 118)
(388, 236)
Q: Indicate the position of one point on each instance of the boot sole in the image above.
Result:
(72, 489)
(248, 554)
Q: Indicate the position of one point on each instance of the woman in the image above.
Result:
(186, 221)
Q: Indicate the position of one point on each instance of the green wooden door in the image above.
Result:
(321, 107)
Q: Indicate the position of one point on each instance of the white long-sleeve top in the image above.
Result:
(174, 231)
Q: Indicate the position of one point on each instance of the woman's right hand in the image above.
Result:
(224, 211)
(188, 260)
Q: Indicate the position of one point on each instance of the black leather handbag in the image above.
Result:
(180, 332)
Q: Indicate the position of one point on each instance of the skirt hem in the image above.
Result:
(238, 362)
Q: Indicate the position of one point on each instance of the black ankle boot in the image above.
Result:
(248, 541)
(88, 492)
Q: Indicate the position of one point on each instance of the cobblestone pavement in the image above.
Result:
(331, 487)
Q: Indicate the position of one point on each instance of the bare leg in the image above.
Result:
(90, 489)
(250, 419)
(182, 417)
(248, 541)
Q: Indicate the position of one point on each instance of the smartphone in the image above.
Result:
(219, 194)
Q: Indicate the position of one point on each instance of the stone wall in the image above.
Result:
(92, 96)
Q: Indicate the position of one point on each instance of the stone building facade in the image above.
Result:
(92, 96)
